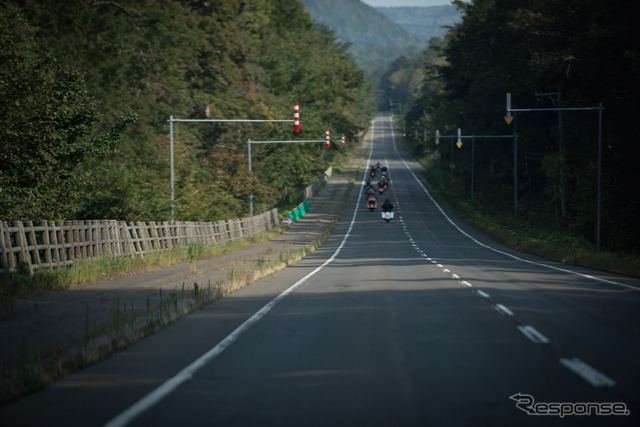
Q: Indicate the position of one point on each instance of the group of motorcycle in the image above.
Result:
(382, 187)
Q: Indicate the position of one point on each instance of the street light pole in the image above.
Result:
(515, 173)
(171, 162)
(296, 127)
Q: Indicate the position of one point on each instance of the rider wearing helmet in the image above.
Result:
(387, 206)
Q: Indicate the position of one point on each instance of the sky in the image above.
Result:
(382, 3)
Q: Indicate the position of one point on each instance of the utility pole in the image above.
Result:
(296, 127)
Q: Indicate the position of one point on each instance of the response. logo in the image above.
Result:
(526, 403)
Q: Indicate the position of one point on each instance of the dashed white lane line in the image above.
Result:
(588, 373)
(504, 310)
(580, 368)
(482, 294)
(535, 336)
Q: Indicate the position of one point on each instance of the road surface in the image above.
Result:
(419, 321)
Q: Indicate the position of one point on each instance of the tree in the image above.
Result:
(48, 127)
(586, 50)
(189, 59)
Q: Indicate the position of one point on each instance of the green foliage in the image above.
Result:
(585, 50)
(48, 127)
(86, 89)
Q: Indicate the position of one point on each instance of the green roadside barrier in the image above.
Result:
(300, 210)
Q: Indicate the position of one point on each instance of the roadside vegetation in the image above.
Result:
(547, 54)
(87, 88)
(30, 371)
(22, 284)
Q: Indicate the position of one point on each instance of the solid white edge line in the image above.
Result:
(564, 270)
(588, 373)
(186, 373)
(531, 333)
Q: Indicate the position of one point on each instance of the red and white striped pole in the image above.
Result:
(296, 117)
(326, 133)
(343, 140)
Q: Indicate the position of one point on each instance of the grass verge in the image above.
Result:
(22, 284)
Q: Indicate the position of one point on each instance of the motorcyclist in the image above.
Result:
(383, 185)
(387, 206)
(372, 201)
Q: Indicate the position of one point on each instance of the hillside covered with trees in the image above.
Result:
(547, 53)
(372, 38)
(87, 87)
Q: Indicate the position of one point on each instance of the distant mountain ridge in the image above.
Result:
(358, 23)
(423, 22)
(375, 39)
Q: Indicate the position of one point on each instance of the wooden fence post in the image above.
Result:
(46, 243)
(53, 239)
(33, 246)
(21, 240)
(7, 258)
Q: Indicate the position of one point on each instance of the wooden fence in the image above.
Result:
(53, 244)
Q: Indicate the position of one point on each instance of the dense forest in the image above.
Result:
(87, 88)
(548, 54)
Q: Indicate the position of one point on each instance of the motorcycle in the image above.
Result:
(372, 202)
(383, 186)
(387, 210)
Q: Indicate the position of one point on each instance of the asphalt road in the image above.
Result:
(419, 321)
